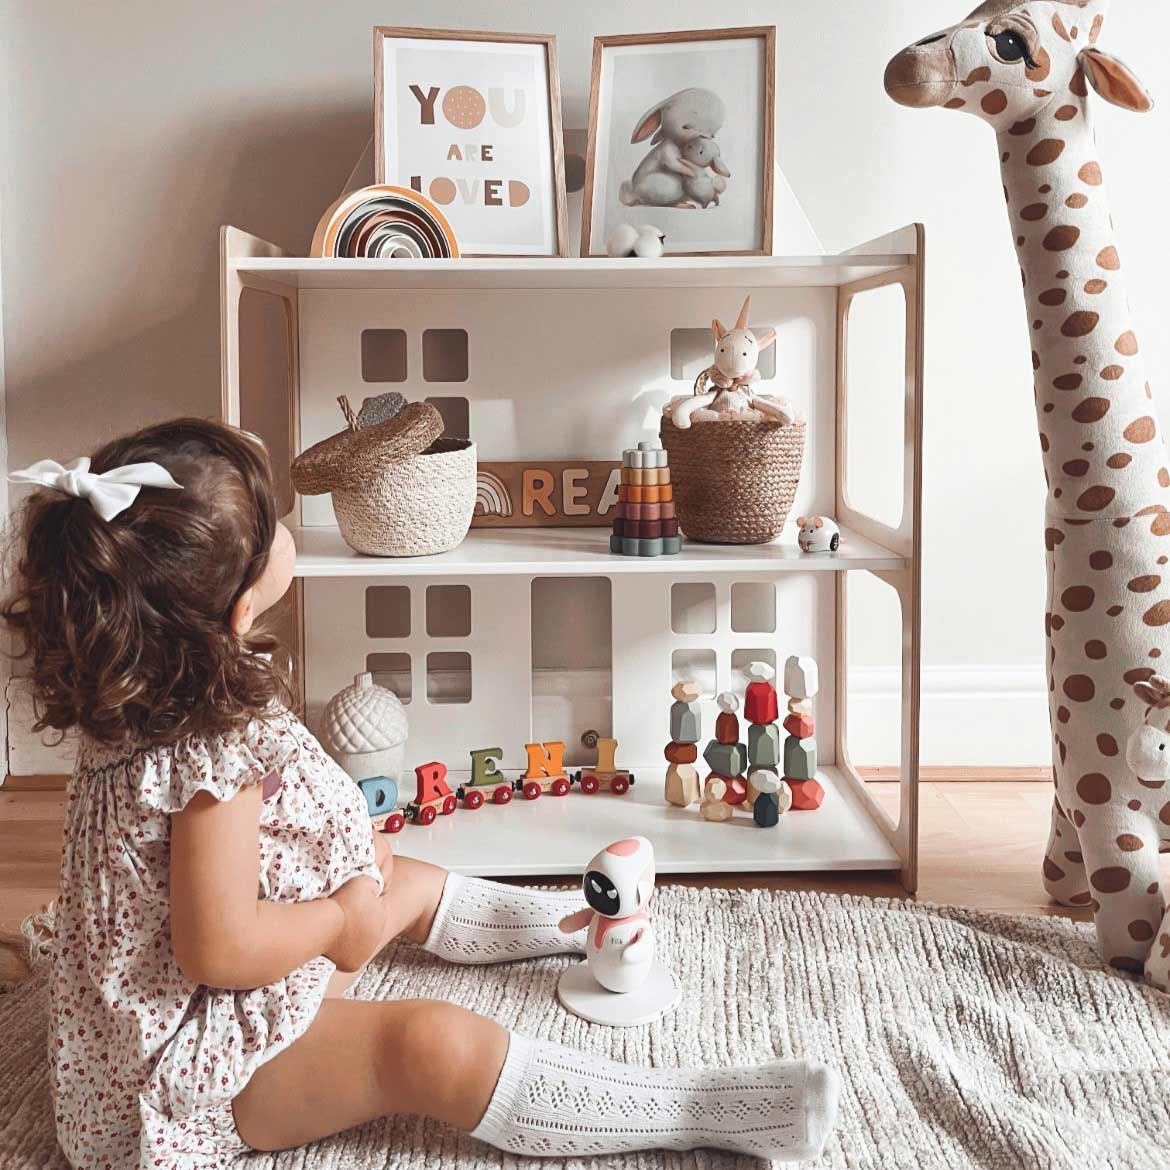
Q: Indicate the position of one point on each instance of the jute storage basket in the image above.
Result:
(734, 482)
(399, 489)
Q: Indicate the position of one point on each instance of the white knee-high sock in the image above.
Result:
(557, 1102)
(488, 922)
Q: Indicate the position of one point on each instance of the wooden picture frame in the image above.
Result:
(601, 209)
(457, 120)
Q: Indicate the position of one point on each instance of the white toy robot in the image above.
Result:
(619, 948)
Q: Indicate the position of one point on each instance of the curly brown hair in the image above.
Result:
(126, 623)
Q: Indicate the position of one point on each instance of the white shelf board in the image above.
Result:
(572, 274)
(557, 835)
(581, 552)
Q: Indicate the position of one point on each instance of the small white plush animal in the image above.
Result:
(618, 883)
(818, 534)
(737, 352)
(645, 241)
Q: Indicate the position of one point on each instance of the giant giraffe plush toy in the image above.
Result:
(1028, 69)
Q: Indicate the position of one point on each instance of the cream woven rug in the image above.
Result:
(965, 1039)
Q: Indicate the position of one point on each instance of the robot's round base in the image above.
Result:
(581, 994)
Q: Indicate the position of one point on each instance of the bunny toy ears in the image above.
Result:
(109, 493)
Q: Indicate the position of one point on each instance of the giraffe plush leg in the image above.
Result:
(1121, 856)
(1064, 864)
(1158, 964)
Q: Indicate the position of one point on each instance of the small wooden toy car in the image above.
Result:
(546, 771)
(381, 795)
(433, 796)
(487, 781)
(605, 773)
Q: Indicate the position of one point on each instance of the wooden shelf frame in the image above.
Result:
(891, 554)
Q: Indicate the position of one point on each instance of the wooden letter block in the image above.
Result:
(727, 727)
(681, 753)
(802, 726)
(483, 766)
(682, 785)
(606, 752)
(545, 759)
(686, 722)
(800, 758)
(725, 759)
(806, 795)
(381, 795)
(764, 745)
(431, 779)
(801, 677)
(760, 704)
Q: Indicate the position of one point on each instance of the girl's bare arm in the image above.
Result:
(222, 934)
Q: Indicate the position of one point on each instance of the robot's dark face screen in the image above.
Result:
(601, 894)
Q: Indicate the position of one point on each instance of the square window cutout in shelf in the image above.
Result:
(449, 677)
(387, 611)
(392, 671)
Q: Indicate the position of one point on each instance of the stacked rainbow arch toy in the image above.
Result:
(384, 223)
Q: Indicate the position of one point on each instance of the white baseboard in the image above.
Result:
(977, 716)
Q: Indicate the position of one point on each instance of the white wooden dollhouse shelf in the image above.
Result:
(572, 552)
(524, 635)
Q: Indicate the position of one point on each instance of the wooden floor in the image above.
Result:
(981, 843)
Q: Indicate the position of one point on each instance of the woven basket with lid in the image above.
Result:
(399, 488)
(734, 482)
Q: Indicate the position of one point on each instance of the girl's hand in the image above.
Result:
(364, 912)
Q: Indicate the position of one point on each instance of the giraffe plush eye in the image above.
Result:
(1011, 47)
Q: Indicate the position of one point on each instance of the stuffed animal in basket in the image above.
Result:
(737, 353)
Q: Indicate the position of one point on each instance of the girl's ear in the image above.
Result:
(1115, 81)
(766, 338)
(243, 613)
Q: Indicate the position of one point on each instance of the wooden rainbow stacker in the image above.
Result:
(644, 523)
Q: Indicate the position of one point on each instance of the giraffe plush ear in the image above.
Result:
(1115, 81)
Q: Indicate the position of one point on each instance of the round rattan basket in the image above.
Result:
(734, 482)
(399, 489)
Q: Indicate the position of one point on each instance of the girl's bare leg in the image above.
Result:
(359, 1061)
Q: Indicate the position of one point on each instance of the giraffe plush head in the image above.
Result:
(1008, 61)
(1148, 750)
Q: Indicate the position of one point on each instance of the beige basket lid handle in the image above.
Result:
(349, 458)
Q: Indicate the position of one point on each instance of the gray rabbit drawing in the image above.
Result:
(684, 167)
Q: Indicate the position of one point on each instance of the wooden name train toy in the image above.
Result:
(545, 773)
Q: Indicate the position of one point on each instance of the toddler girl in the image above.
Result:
(221, 887)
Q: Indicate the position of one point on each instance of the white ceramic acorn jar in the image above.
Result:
(365, 729)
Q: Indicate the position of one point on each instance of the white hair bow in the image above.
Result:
(109, 493)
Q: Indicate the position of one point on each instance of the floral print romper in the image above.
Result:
(145, 1063)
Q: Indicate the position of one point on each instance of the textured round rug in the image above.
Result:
(965, 1039)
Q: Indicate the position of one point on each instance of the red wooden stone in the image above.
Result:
(727, 727)
(760, 704)
(801, 726)
(736, 790)
(806, 794)
(681, 753)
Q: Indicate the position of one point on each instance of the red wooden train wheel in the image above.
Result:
(560, 787)
(589, 785)
(427, 815)
(395, 823)
(449, 806)
(531, 790)
(619, 785)
(502, 795)
(473, 800)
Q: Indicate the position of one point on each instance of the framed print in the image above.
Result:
(472, 120)
(681, 135)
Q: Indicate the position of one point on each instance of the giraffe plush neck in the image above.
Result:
(1032, 71)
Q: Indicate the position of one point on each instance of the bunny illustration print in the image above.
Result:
(673, 126)
(618, 883)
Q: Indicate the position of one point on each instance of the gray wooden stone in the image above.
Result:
(728, 759)
(800, 758)
(764, 745)
(686, 722)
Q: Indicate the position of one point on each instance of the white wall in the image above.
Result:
(135, 129)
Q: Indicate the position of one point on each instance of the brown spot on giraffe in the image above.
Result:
(1164, 815)
(1137, 675)
(1068, 382)
(994, 102)
(1091, 410)
(1063, 714)
(1128, 843)
(1127, 343)
(1091, 174)
(1144, 584)
(1080, 688)
(983, 73)
(1053, 297)
(1080, 324)
(1078, 598)
(1113, 373)
(1052, 537)
(1163, 481)
(1161, 525)
(1096, 649)
(1042, 69)
(1079, 84)
(956, 103)
(1024, 127)
(1108, 259)
(1101, 560)
(1052, 871)
(1157, 615)
(1034, 211)
(1110, 879)
(1076, 202)
(1142, 430)
(1077, 468)
(1096, 287)
(1120, 461)
(1060, 239)
(1140, 930)
(1107, 745)
(1061, 31)
(1045, 152)
(1066, 113)
(1094, 788)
